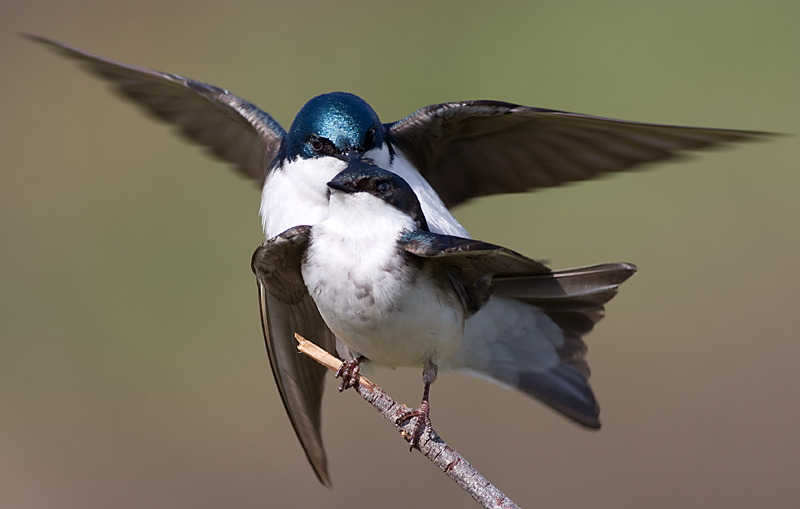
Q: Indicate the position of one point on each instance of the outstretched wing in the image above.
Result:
(232, 128)
(476, 148)
(286, 309)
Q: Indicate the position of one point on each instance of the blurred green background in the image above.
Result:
(132, 368)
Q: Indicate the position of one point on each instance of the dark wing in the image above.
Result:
(477, 148)
(232, 128)
(287, 308)
(573, 299)
(595, 284)
(473, 256)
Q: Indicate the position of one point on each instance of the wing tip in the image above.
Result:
(322, 476)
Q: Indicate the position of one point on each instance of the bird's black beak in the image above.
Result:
(352, 153)
(347, 180)
(340, 186)
(351, 156)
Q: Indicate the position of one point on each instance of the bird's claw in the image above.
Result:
(349, 373)
(422, 424)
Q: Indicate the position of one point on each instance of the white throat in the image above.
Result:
(364, 219)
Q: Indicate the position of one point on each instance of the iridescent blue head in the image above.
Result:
(363, 177)
(335, 124)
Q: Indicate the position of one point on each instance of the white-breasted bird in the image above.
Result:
(448, 153)
(396, 294)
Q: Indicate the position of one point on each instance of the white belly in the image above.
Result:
(419, 327)
(376, 303)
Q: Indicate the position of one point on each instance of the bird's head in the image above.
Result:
(362, 177)
(337, 124)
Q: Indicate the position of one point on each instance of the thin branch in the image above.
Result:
(431, 445)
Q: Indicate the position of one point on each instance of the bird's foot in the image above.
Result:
(349, 373)
(422, 424)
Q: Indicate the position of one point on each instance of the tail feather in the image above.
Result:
(529, 336)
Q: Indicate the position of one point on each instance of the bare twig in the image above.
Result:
(431, 445)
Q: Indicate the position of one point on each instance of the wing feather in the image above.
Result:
(477, 148)
(286, 309)
(232, 128)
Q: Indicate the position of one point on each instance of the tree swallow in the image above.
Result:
(397, 294)
(448, 153)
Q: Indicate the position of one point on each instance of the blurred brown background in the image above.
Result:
(132, 368)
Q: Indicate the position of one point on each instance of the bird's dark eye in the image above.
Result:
(369, 137)
(384, 187)
(316, 143)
